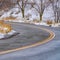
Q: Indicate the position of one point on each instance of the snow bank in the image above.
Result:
(7, 35)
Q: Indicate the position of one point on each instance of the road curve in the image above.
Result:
(29, 37)
(48, 51)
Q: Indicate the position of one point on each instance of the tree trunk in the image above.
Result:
(22, 9)
(23, 13)
(40, 17)
(56, 17)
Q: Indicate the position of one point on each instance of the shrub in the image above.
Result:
(36, 21)
(10, 18)
(49, 22)
(1, 22)
(5, 28)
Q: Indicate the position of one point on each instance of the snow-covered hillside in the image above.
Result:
(31, 14)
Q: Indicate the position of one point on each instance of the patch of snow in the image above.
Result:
(32, 14)
(7, 35)
(41, 23)
(1, 35)
(52, 25)
(55, 25)
(5, 15)
(12, 32)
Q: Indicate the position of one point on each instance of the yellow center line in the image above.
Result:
(52, 35)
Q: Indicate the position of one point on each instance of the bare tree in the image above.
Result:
(40, 6)
(56, 9)
(22, 4)
(5, 5)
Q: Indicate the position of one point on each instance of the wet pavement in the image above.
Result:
(28, 35)
(47, 51)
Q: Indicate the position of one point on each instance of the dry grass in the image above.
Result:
(36, 21)
(5, 28)
(49, 22)
(9, 18)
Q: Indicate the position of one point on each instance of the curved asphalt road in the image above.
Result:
(28, 35)
(47, 51)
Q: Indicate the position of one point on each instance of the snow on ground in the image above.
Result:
(12, 32)
(7, 35)
(48, 13)
(5, 15)
(41, 23)
(31, 14)
(1, 36)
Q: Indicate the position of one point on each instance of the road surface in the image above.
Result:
(47, 51)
